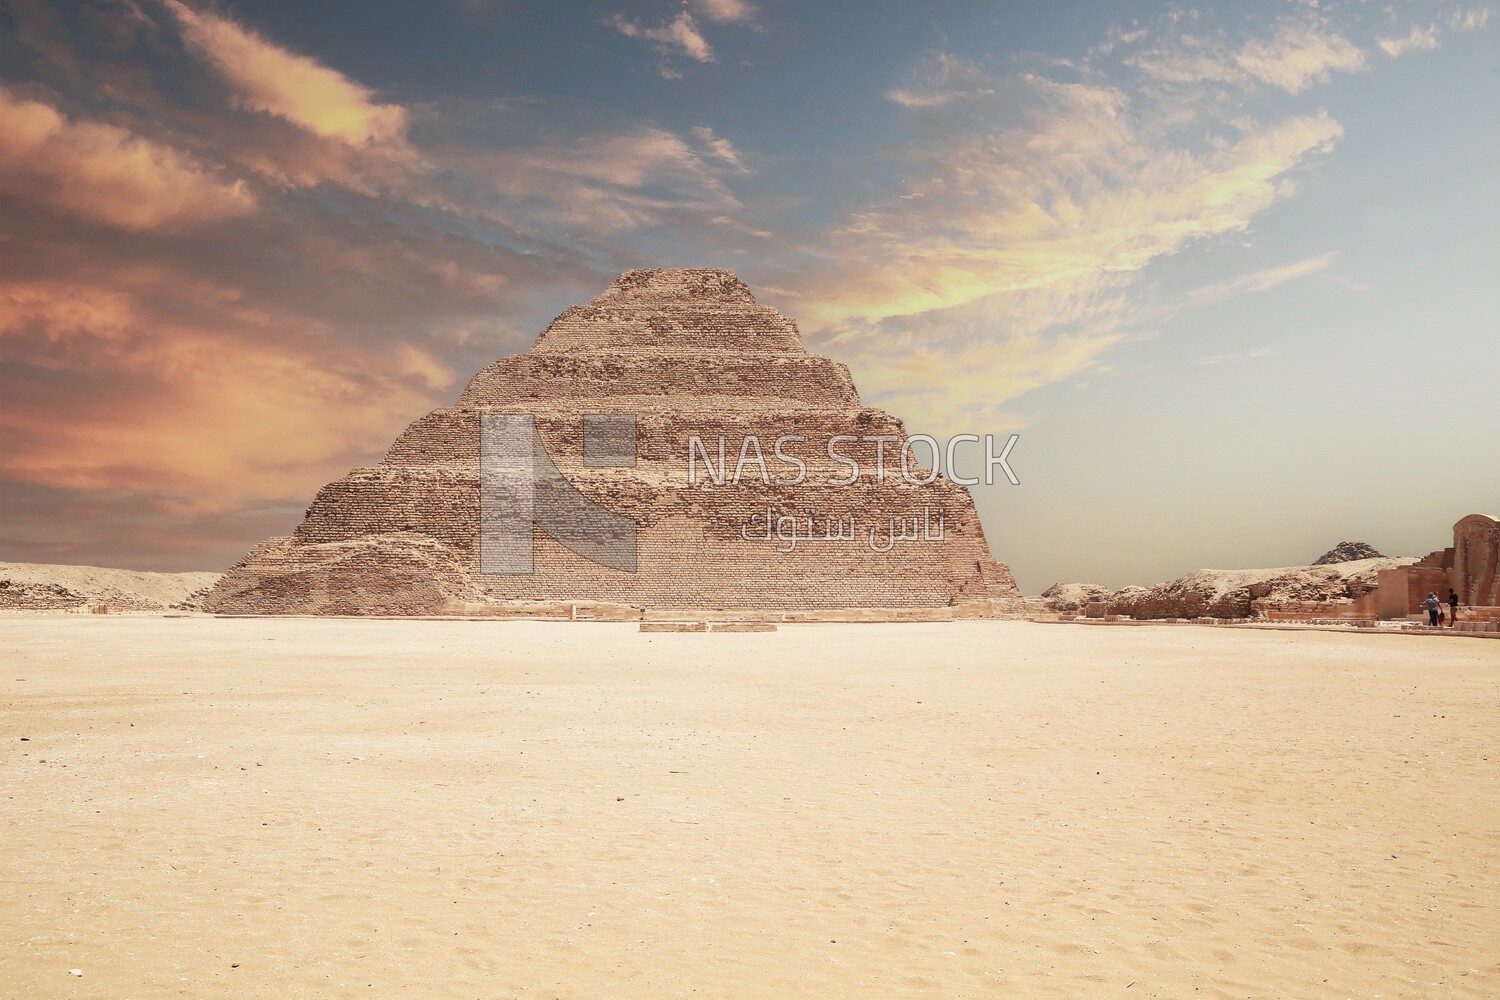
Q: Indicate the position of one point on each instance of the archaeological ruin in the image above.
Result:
(1470, 566)
(627, 464)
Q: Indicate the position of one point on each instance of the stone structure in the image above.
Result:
(691, 355)
(1350, 583)
(1340, 590)
(1471, 566)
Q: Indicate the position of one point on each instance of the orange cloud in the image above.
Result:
(268, 78)
(203, 413)
(104, 173)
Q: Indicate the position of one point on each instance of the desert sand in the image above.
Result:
(279, 808)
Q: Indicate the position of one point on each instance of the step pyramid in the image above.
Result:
(704, 380)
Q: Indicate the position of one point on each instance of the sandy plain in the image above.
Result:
(284, 808)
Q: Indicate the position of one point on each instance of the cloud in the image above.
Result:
(318, 272)
(272, 333)
(1469, 20)
(1082, 189)
(720, 148)
(680, 35)
(940, 79)
(268, 78)
(599, 184)
(1259, 354)
(160, 405)
(1260, 281)
(103, 173)
(960, 369)
(727, 11)
(1299, 52)
(1415, 40)
(1005, 257)
(969, 389)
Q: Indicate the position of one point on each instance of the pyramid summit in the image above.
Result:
(743, 474)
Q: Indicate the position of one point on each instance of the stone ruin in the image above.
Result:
(1470, 566)
(690, 354)
(1352, 583)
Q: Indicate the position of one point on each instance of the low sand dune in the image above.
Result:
(278, 808)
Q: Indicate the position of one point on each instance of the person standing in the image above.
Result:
(1432, 604)
(1452, 606)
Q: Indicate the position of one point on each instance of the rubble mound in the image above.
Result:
(41, 587)
(1348, 552)
(1226, 593)
(1072, 598)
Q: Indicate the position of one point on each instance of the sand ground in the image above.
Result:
(258, 808)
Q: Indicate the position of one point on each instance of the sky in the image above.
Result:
(1229, 270)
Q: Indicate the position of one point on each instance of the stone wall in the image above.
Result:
(1470, 566)
(1476, 560)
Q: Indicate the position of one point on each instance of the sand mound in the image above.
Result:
(39, 587)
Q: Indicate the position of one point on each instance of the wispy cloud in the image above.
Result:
(1302, 52)
(1259, 354)
(1469, 20)
(1083, 189)
(682, 35)
(1299, 52)
(727, 11)
(266, 77)
(602, 183)
(1416, 40)
(1006, 256)
(720, 149)
(1259, 281)
(942, 78)
(679, 36)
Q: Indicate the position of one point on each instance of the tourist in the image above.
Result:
(1432, 604)
(1452, 606)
